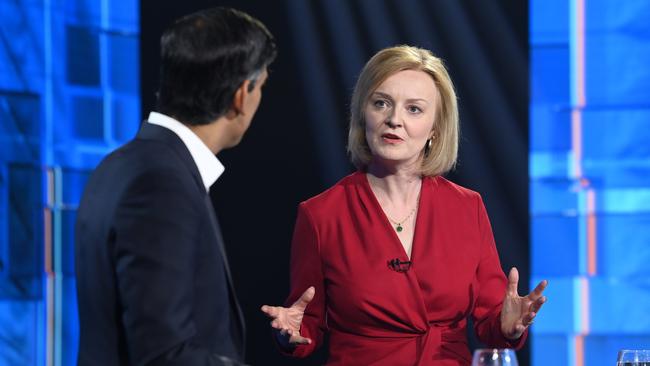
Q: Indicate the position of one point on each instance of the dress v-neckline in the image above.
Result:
(386, 221)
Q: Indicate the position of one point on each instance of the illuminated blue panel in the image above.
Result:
(69, 94)
(550, 65)
(590, 178)
(602, 350)
(554, 134)
(557, 316)
(22, 324)
(70, 331)
(549, 164)
(564, 202)
(559, 235)
(619, 306)
(549, 349)
(549, 23)
(616, 148)
(618, 52)
(625, 247)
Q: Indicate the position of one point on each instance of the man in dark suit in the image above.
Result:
(153, 282)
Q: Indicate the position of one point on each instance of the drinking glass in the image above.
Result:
(633, 357)
(494, 357)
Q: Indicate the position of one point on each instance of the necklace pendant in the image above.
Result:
(399, 228)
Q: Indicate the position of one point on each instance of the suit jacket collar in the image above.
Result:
(149, 131)
(209, 165)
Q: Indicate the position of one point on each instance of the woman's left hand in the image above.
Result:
(519, 312)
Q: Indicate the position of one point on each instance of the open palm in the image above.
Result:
(518, 312)
(288, 320)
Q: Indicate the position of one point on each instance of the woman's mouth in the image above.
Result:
(391, 138)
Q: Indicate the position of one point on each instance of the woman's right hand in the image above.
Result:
(288, 320)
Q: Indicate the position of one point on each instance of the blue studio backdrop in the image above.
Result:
(69, 94)
(590, 178)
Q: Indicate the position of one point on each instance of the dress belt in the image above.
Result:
(430, 341)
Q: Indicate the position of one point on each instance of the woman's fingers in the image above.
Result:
(537, 304)
(305, 298)
(271, 311)
(513, 282)
(298, 339)
(539, 289)
(528, 319)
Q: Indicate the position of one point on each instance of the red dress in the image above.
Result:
(376, 315)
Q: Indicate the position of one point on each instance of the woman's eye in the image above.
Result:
(414, 109)
(380, 103)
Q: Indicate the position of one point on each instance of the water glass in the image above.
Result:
(494, 357)
(633, 357)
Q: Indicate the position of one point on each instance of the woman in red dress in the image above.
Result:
(393, 259)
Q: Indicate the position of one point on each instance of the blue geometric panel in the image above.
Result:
(68, 218)
(82, 69)
(20, 333)
(559, 256)
(620, 81)
(550, 67)
(590, 178)
(602, 350)
(620, 305)
(125, 126)
(124, 55)
(618, 52)
(552, 132)
(624, 246)
(549, 349)
(19, 131)
(617, 134)
(70, 322)
(565, 200)
(84, 12)
(557, 316)
(69, 94)
(549, 23)
(624, 201)
(87, 116)
(26, 219)
(551, 165)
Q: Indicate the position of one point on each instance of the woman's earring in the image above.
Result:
(429, 142)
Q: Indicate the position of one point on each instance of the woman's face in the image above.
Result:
(400, 116)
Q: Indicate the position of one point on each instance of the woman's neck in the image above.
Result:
(400, 185)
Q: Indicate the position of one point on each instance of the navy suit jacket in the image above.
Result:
(153, 282)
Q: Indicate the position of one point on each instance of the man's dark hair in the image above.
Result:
(205, 56)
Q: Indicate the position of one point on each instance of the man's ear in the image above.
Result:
(239, 100)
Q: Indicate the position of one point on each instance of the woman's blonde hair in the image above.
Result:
(441, 157)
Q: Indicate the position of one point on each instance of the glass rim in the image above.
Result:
(494, 349)
(634, 350)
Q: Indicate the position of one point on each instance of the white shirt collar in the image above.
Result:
(209, 166)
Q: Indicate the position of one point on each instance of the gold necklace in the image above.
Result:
(398, 225)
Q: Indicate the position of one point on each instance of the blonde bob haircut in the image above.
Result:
(442, 155)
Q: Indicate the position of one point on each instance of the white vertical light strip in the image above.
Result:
(41, 319)
(582, 232)
(49, 274)
(47, 146)
(105, 72)
(57, 256)
(571, 350)
(46, 326)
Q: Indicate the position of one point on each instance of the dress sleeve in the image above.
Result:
(306, 270)
(492, 288)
